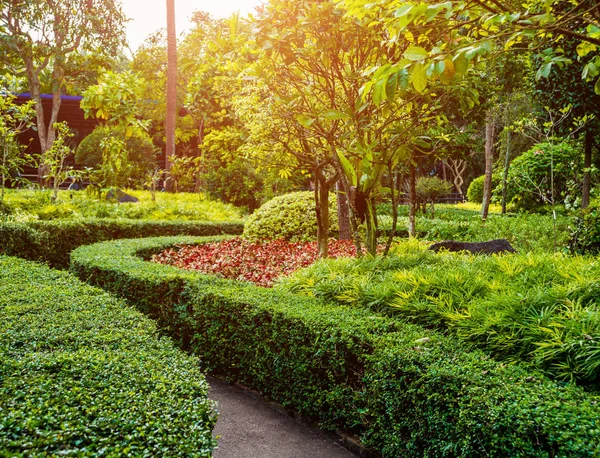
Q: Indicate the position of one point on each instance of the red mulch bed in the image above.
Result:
(259, 263)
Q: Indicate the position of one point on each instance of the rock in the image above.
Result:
(118, 195)
(490, 247)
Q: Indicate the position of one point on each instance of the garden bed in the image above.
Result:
(84, 374)
(403, 389)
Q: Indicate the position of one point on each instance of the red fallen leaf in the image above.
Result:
(258, 263)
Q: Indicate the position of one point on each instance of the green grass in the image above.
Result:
(34, 205)
(542, 309)
(525, 231)
(83, 374)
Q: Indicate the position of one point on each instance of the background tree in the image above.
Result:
(58, 38)
(171, 114)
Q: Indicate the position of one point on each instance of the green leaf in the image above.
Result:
(597, 86)
(544, 71)
(333, 115)
(305, 121)
(379, 89)
(461, 64)
(391, 87)
(348, 169)
(415, 53)
(418, 76)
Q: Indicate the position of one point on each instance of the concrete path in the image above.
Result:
(251, 428)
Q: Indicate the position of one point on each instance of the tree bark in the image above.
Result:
(587, 163)
(322, 209)
(489, 166)
(343, 213)
(412, 198)
(505, 173)
(171, 114)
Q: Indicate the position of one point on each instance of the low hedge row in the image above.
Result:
(83, 374)
(53, 241)
(404, 390)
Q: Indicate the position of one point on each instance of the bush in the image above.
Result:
(475, 190)
(405, 390)
(141, 151)
(290, 216)
(52, 241)
(529, 180)
(85, 375)
(585, 235)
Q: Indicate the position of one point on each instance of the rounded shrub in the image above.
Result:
(140, 149)
(475, 191)
(585, 235)
(530, 175)
(290, 216)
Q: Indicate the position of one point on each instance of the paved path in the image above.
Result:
(251, 428)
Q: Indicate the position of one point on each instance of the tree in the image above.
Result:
(57, 170)
(473, 30)
(171, 114)
(14, 120)
(116, 100)
(58, 38)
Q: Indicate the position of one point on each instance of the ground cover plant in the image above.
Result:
(32, 205)
(525, 231)
(543, 309)
(259, 263)
(83, 374)
(403, 389)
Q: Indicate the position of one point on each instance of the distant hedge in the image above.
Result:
(52, 241)
(404, 390)
(83, 374)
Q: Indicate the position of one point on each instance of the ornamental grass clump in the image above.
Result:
(542, 309)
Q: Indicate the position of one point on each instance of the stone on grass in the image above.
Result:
(490, 247)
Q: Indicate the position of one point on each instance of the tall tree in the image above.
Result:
(58, 38)
(171, 115)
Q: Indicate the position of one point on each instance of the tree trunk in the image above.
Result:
(322, 209)
(371, 223)
(343, 213)
(489, 166)
(412, 198)
(587, 163)
(171, 114)
(505, 173)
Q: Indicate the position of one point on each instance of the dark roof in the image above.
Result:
(27, 95)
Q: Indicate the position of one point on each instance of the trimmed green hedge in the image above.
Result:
(53, 241)
(83, 374)
(404, 390)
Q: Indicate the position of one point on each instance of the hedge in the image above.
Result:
(83, 374)
(404, 390)
(53, 241)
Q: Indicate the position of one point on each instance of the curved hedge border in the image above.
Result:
(404, 390)
(53, 241)
(84, 374)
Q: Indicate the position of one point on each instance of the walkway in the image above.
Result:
(251, 428)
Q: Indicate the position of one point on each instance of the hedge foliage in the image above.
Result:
(52, 241)
(83, 374)
(404, 390)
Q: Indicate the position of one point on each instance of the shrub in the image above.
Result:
(585, 235)
(290, 216)
(52, 241)
(475, 190)
(529, 178)
(405, 390)
(141, 151)
(85, 375)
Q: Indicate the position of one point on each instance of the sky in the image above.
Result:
(150, 15)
